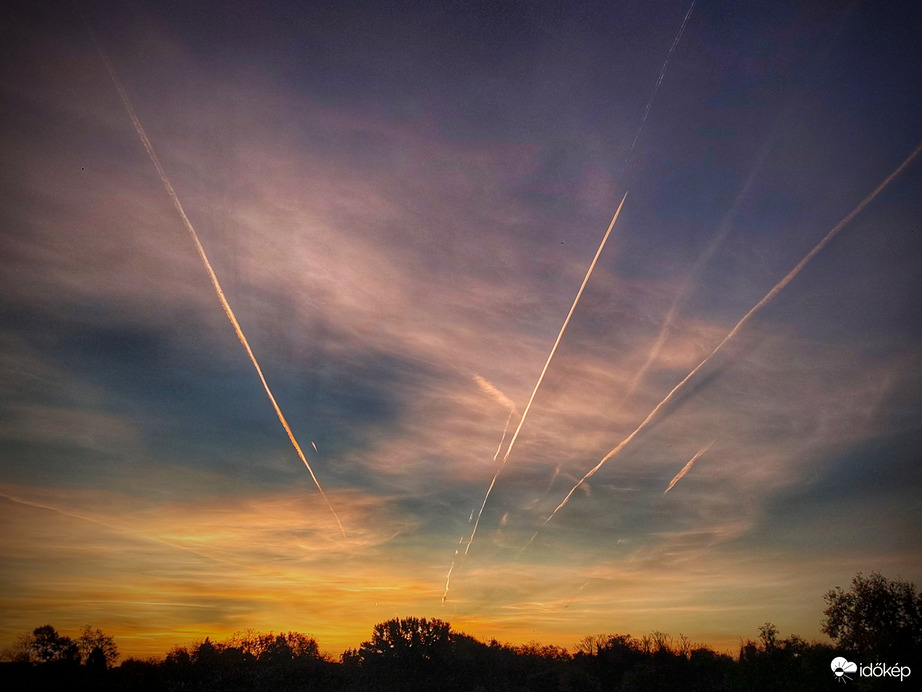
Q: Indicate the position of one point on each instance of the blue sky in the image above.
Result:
(400, 206)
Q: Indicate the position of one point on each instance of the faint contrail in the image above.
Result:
(723, 228)
(758, 306)
(480, 513)
(448, 578)
(687, 467)
(113, 527)
(450, 570)
(492, 483)
(214, 279)
(544, 369)
(488, 387)
(662, 74)
(491, 390)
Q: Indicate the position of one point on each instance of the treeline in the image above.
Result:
(877, 620)
(426, 654)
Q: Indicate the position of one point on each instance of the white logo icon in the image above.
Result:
(841, 666)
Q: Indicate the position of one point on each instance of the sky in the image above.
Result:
(401, 202)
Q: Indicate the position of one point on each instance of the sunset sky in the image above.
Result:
(401, 201)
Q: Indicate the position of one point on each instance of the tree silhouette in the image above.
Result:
(20, 651)
(876, 617)
(247, 661)
(50, 647)
(96, 659)
(772, 663)
(408, 640)
(277, 648)
(404, 653)
(96, 648)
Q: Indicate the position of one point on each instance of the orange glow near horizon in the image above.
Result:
(212, 569)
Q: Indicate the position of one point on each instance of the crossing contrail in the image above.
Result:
(687, 467)
(534, 391)
(214, 279)
(486, 386)
(662, 74)
(776, 289)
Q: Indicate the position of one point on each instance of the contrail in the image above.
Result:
(544, 369)
(214, 279)
(471, 518)
(113, 527)
(723, 228)
(646, 112)
(662, 74)
(687, 467)
(739, 325)
(492, 483)
(448, 578)
(450, 570)
(486, 386)
(489, 389)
